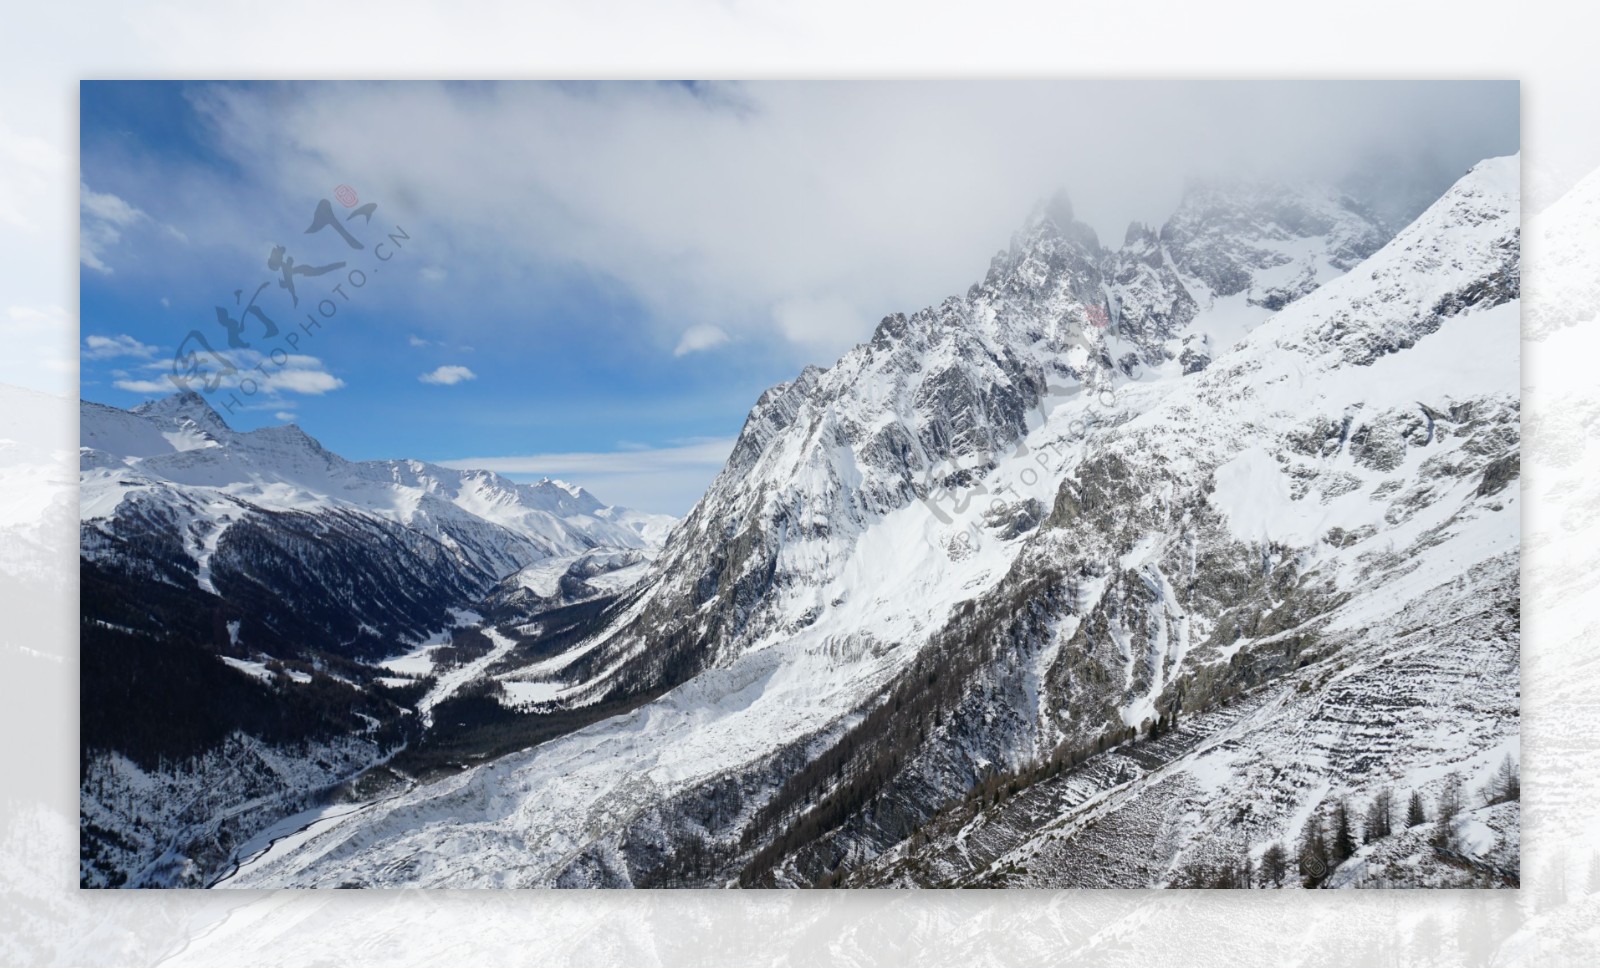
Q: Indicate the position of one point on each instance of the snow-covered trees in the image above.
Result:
(1415, 812)
(1450, 805)
(1380, 817)
(1274, 866)
(1506, 784)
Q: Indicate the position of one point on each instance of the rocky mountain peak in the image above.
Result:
(1053, 224)
(1273, 241)
(1139, 234)
(186, 405)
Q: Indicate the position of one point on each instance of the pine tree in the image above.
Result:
(1313, 854)
(1506, 785)
(1449, 807)
(1380, 817)
(1415, 813)
(1274, 866)
(1344, 841)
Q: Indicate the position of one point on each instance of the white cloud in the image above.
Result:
(300, 380)
(660, 479)
(294, 373)
(108, 208)
(96, 347)
(260, 382)
(634, 460)
(102, 220)
(103, 217)
(804, 212)
(448, 375)
(298, 373)
(418, 341)
(284, 415)
(821, 322)
(703, 336)
(146, 386)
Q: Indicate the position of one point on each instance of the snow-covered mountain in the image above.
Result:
(1271, 242)
(224, 501)
(241, 593)
(1120, 569)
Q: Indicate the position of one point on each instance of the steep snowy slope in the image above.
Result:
(1335, 498)
(1355, 460)
(920, 412)
(987, 541)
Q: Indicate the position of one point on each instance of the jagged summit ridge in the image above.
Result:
(938, 395)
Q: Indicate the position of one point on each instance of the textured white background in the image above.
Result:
(46, 48)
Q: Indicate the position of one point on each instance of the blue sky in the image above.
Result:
(599, 279)
(435, 356)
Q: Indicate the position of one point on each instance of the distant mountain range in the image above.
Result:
(212, 558)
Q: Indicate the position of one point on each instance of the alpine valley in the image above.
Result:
(1192, 562)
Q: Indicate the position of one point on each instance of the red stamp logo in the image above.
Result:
(1097, 316)
(346, 195)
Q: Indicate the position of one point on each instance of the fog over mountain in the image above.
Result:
(791, 212)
